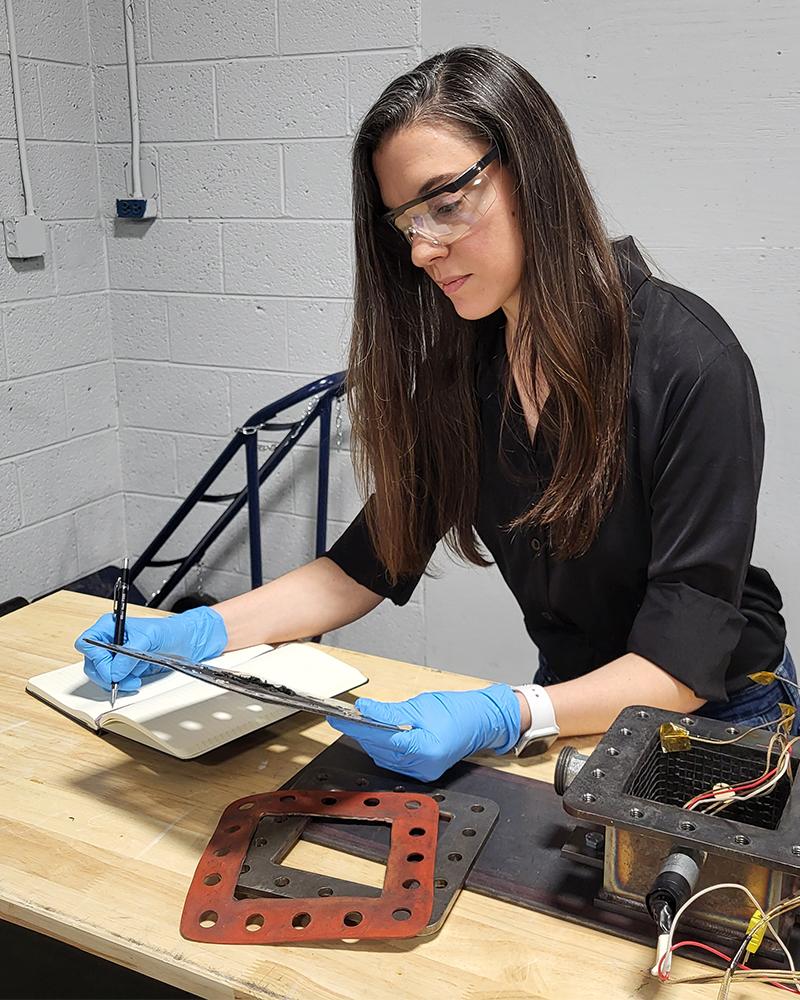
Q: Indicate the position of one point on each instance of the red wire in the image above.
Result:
(734, 788)
(719, 954)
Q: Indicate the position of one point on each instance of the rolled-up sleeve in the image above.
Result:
(355, 554)
(703, 493)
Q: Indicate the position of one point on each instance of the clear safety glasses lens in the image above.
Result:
(448, 216)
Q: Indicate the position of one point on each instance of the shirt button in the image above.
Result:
(547, 616)
(536, 544)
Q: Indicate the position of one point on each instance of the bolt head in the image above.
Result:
(594, 840)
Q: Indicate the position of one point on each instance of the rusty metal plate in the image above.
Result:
(212, 913)
(465, 823)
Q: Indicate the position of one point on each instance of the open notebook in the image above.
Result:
(187, 717)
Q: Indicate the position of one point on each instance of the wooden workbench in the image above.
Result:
(99, 837)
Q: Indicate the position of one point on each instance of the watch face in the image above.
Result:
(538, 745)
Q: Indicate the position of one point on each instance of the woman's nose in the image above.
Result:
(424, 251)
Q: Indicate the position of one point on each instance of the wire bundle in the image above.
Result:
(711, 802)
(715, 799)
(788, 980)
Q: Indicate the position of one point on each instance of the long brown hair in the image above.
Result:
(411, 377)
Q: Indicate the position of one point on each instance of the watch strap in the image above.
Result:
(543, 729)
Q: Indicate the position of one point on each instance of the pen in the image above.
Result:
(120, 610)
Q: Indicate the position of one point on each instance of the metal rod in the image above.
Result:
(323, 474)
(254, 511)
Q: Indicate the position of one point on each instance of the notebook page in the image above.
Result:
(71, 690)
(197, 717)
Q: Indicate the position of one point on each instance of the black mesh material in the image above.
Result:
(674, 778)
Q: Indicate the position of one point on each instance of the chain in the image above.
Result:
(339, 428)
(201, 575)
(248, 429)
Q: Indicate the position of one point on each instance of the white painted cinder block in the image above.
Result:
(111, 104)
(348, 24)
(107, 31)
(397, 633)
(10, 511)
(11, 200)
(79, 255)
(220, 30)
(100, 533)
(282, 98)
(166, 255)
(31, 106)
(227, 331)
(318, 179)
(172, 397)
(176, 101)
(369, 74)
(56, 31)
(139, 325)
(287, 258)
(221, 180)
(32, 413)
(318, 334)
(56, 333)
(54, 480)
(148, 461)
(67, 108)
(64, 177)
(91, 395)
(39, 558)
(3, 367)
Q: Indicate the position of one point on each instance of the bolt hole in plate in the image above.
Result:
(456, 850)
(214, 913)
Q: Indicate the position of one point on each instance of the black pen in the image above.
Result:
(120, 610)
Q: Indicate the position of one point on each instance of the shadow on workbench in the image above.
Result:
(44, 969)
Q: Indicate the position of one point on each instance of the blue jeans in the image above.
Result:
(754, 705)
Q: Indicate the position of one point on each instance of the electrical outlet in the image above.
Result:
(145, 207)
(136, 208)
(25, 237)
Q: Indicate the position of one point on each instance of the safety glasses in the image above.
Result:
(445, 214)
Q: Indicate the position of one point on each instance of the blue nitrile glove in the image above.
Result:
(448, 725)
(199, 634)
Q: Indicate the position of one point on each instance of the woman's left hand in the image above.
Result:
(446, 726)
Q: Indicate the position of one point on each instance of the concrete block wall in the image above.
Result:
(61, 504)
(240, 291)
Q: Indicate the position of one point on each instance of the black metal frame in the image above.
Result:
(327, 389)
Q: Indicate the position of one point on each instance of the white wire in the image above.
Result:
(761, 790)
(711, 888)
(27, 189)
(133, 95)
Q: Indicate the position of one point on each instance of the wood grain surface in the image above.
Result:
(99, 837)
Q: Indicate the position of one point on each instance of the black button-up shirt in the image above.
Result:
(668, 575)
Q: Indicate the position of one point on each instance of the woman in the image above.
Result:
(515, 374)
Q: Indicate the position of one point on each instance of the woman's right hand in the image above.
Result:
(199, 634)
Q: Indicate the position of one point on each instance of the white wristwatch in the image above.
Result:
(543, 730)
